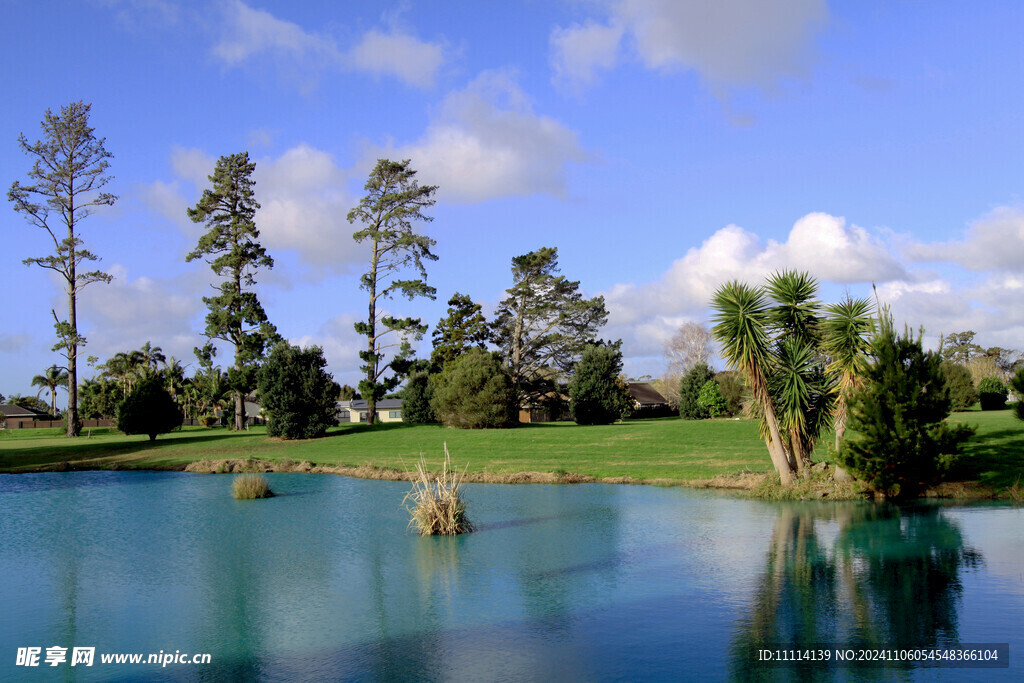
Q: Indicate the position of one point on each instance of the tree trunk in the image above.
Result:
(74, 425)
(371, 342)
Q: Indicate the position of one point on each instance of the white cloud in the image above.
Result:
(488, 143)
(249, 34)
(341, 345)
(304, 206)
(579, 51)
(995, 241)
(128, 312)
(400, 55)
(729, 42)
(645, 315)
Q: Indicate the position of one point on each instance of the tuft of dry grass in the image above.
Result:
(437, 508)
(249, 487)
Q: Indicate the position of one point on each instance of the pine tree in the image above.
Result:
(394, 199)
(68, 173)
(462, 329)
(902, 443)
(544, 322)
(597, 393)
(231, 247)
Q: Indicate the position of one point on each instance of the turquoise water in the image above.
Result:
(588, 582)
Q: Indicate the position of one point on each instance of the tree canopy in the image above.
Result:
(462, 329)
(597, 393)
(544, 323)
(394, 200)
(297, 393)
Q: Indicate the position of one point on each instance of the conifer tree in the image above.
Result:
(231, 247)
(68, 173)
(544, 322)
(394, 199)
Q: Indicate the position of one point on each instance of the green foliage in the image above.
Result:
(711, 400)
(416, 397)
(902, 443)
(231, 247)
(960, 348)
(297, 393)
(689, 392)
(148, 409)
(962, 394)
(1017, 384)
(734, 391)
(100, 398)
(544, 322)
(475, 391)
(394, 199)
(597, 394)
(348, 393)
(69, 170)
(992, 393)
(463, 328)
(28, 402)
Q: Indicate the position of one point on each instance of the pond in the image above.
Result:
(586, 582)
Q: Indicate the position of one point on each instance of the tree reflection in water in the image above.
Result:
(853, 575)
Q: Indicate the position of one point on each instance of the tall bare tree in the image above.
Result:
(69, 170)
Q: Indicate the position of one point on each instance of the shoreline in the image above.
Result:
(748, 485)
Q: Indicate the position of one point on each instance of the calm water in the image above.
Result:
(586, 582)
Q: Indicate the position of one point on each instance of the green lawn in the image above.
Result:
(672, 449)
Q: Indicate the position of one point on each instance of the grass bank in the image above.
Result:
(728, 453)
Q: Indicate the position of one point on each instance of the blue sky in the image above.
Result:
(663, 146)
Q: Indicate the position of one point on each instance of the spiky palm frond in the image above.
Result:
(847, 340)
(797, 310)
(741, 325)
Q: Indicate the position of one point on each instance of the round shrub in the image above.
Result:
(597, 394)
(474, 391)
(148, 409)
(689, 392)
(962, 394)
(711, 400)
(297, 393)
(416, 399)
(992, 393)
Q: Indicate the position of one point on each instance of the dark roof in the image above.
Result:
(644, 394)
(383, 404)
(18, 411)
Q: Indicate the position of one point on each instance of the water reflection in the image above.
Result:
(855, 575)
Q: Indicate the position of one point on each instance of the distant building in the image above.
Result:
(16, 417)
(648, 401)
(388, 410)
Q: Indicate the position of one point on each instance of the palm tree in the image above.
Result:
(51, 379)
(150, 355)
(797, 381)
(846, 342)
(174, 374)
(741, 324)
(119, 367)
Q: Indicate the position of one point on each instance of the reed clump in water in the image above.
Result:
(250, 486)
(437, 507)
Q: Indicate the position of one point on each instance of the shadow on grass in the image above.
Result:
(995, 458)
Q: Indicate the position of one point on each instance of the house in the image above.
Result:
(16, 417)
(648, 402)
(388, 410)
